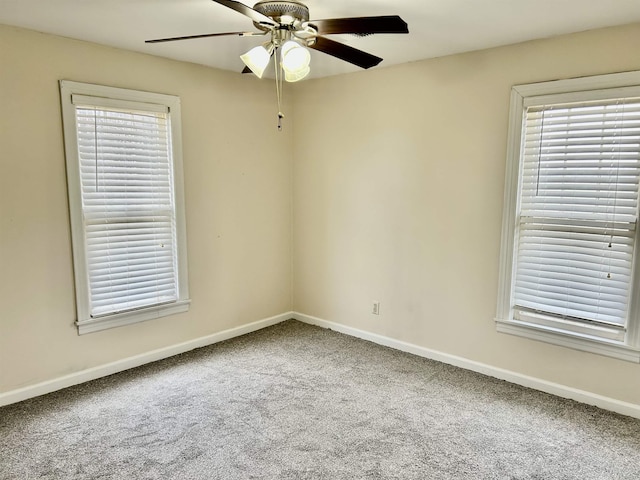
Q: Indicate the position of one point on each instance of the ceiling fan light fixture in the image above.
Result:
(296, 76)
(257, 59)
(295, 60)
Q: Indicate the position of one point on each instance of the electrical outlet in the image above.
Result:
(376, 308)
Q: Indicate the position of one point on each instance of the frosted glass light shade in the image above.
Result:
(295, 61)
(257, 59)
(296, 76)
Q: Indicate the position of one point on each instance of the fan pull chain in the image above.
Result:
(278, 89)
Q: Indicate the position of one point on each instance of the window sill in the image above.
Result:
(583, 343)
(120, 319)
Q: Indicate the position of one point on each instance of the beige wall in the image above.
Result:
(398, 193)
(398, 185)
(238, 204)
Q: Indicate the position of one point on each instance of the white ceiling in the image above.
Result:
(436, 27)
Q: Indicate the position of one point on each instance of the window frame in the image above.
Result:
(84, 321)
(568, 90)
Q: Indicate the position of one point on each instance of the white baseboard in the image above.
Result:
(581, 396)
(76, 378)
(59, 383)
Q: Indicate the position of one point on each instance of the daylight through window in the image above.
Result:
(121, 165)
(574, 217)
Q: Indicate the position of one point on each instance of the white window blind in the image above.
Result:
(127, 205)
(577, 216)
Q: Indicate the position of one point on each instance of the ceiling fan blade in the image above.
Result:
(361, 25)
(247, 11)
(205, 35)
(345, 52)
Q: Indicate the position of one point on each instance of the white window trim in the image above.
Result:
(565, 90)
(84, 322)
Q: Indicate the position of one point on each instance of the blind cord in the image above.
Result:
(95, 144)
(619, 157)
(544, 109)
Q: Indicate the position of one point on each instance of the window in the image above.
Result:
(124, 176)
(569, 264)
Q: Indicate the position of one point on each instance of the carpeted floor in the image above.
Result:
(299, 402)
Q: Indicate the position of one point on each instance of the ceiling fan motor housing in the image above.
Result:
(291, 13)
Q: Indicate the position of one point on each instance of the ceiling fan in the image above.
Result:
(289, 21)
(289, 31)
